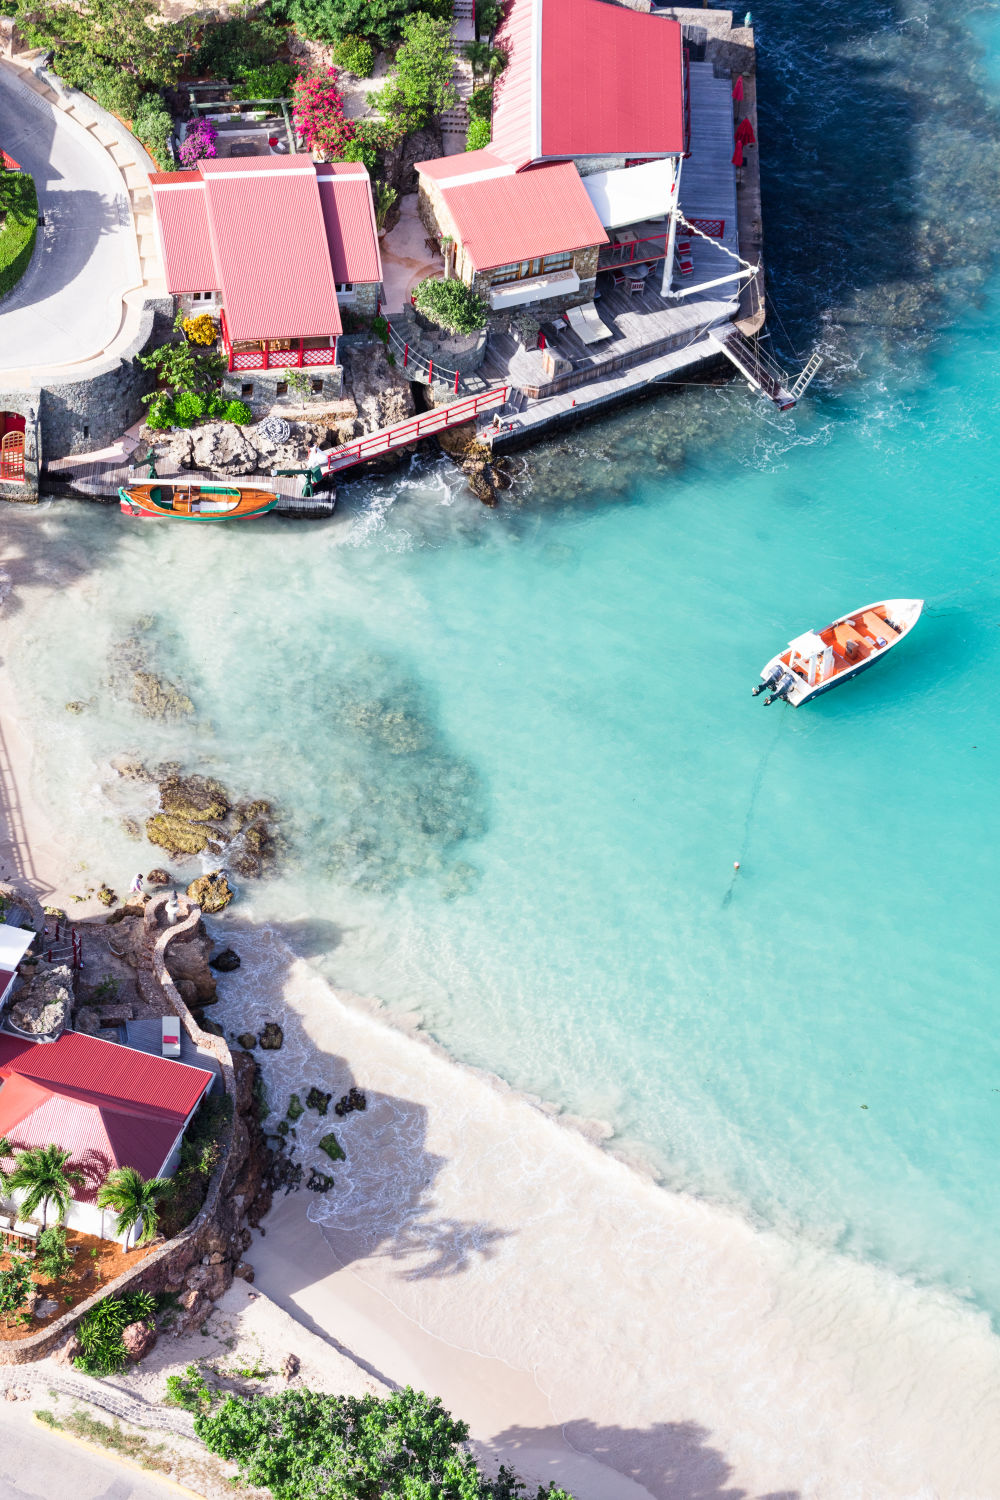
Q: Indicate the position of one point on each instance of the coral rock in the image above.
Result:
(248, 1040)
(138, 1339)
(290, 1366)
(158, 877)
(178, 836)
(271, 1036)
(211, 892)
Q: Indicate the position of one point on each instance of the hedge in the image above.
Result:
(19, 202)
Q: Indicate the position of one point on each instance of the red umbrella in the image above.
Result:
(738, 155)
(744, 132)
(738, 88)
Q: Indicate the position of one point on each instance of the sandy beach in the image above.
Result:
(591, 1327)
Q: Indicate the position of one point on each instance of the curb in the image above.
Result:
(125, 1463)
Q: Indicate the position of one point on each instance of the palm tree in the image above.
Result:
(43, 1176)
(133, 1198)
(478, 54)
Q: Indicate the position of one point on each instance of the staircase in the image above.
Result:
(756, 366)
(455, 122)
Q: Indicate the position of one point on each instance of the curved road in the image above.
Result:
(40, 1465)
(68, 305)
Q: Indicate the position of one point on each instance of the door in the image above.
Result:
(12, 456)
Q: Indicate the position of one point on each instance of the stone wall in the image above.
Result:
(363, 299)
(24, 403)
(263, 384)
(198, 1264)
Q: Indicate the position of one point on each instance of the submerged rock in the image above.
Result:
(159, 699)
(158, 877)
(317, 1100)
(177, 835)
(198, 799)
(211, 892)
(271, 1036)
(247, 1040)
(225, 962)
(332, 1147)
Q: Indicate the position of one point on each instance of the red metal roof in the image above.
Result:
(349, 215)
(463, 164)
(585, 78)
(108, 1105)
(500, 219)
(269, 242)
(9, 163)
(182, 215)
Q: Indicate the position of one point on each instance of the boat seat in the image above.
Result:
(843, 634)
(878, 626)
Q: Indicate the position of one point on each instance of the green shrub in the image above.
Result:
(15, 1284)
(215, 405)
(121, 93)
(19, 212)
(420, 84)
(161, 412)
(332, 20)
(478, 135)
(238, 412)
(152, 125)
(201, 1149)
(481, 102)
(231, 48)
(356, 55)
(265, 81)
(190, 1391)
(451, 304)
(53, 1257)
(100, 1331)
(189, 408)
(371, 139)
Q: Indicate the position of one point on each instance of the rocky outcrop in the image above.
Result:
(211, 892)
(43, 1008)
(198, 816)
(133, 676)
(138, 1339)
(187, 964)
(380, 390)
(488, 476)
(225, 962)
(271, 1036)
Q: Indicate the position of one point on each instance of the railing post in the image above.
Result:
(430, 373)
(267, 354)
(456, 382)
(406, 355)
(300, 354)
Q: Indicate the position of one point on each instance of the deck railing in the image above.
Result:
(268, 358)
(414, 428)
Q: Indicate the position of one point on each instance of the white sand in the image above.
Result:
(590, 1326)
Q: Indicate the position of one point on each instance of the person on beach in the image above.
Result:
(135, 888)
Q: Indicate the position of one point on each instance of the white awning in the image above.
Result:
(14, 944)
(631, 194)
(808, 644)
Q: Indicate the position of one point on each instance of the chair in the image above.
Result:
(636, 285)
(619, 278)
(587, 324)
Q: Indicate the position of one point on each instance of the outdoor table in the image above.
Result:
(625, 237)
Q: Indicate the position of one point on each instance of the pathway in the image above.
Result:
(455, 122)
(97, 245)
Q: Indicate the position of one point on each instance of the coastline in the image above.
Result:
(592, 1327)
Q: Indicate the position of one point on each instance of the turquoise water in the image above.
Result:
(516, 751)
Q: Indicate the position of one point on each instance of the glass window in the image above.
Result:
(522, 269)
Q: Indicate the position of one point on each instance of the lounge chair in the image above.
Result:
(586, 323)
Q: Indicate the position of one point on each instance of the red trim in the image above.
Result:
(413, 428)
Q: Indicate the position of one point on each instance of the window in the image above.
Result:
(281, 389)
(345, 286)
(317, 386)
(202, 296)
(246, 389)
(540, 266)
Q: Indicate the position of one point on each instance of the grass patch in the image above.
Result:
(112, 1436)
(18, 226)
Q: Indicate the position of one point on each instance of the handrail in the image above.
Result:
(411, 357)
(413, 428)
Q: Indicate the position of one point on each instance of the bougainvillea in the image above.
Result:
(319, 116)
(198, 143)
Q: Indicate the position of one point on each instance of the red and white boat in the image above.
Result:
(819, 660)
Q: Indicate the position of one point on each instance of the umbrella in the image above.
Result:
(738, 88)
(738, 155)
(744, 131)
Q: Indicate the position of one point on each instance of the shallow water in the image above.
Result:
(516, 751)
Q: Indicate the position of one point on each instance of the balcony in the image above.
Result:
(533, 289)
(278, 354)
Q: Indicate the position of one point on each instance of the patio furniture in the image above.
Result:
(626, 237)
(586, 323)
(636, 285)
(619, 278)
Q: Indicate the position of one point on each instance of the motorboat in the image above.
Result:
(819, 660)
(195, 502)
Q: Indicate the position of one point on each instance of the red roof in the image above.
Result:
(585, 78)
(520, 215)
(349, 215)
(109, 1106)
(464, 164)
(10, 164)
(273, 234)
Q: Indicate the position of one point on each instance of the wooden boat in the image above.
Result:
(195, 502)
(819, 660)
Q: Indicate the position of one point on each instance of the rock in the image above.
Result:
(132, 828)
(157, 698)
(45, 1307)
(290, 1366)
(212, 1280)
(380, 391)
(211, 892)
(17, 1393)
(106, 896)
(190, 1299)
(158, 877)
(271, 1036)
(188, 993)
(319, 1182)
(212, 1027)
(295, 1108)
(188, 962)
(224, 447)
(225, 962)
(317, 1100)
(332, 1147)
(245, 1271)
(76, 707)
(197, 799)
(130, 768)
(87, 1022)
(43, 1008)
(247, 1040)
(138, 1339)
(176, 835)
(66, 1352)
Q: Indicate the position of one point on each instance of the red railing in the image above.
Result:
(653, 248)
(276, 359)
(12, 457)
(687, 102)
(427, 423)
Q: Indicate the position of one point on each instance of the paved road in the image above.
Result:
(38, 1465)
(67, 306)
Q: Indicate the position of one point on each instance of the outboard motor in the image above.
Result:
(770, 680)
(781, 691)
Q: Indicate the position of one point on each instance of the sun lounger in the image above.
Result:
(586, 323)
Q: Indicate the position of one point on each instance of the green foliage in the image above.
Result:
(332, 20)
(420, 84)
(42, 1174)
(18, 225)
(190, 1391)
(121, 93)
(106, 988)
(152, 125)
(230, 49)
(133, 1197)
(481, 102)
(356, 55)
(201, 1149)
(98, 41)
(265, 81)
(15, 1285)
(380, 328)
(384, 199)
(189, 408)
(305, 1446)
(238, 412)
(488, 14)
(478, 135)
(54, 1260)
(451, 304)
(372, 138)
(161, 412)
(100, 1331)
(181, 368)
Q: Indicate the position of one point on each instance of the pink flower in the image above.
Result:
(318, 112)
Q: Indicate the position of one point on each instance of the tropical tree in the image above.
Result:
(133, 1198)
(420, 84)
(42, 1175)
(318, 112)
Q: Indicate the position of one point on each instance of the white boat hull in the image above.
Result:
(904, 613)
